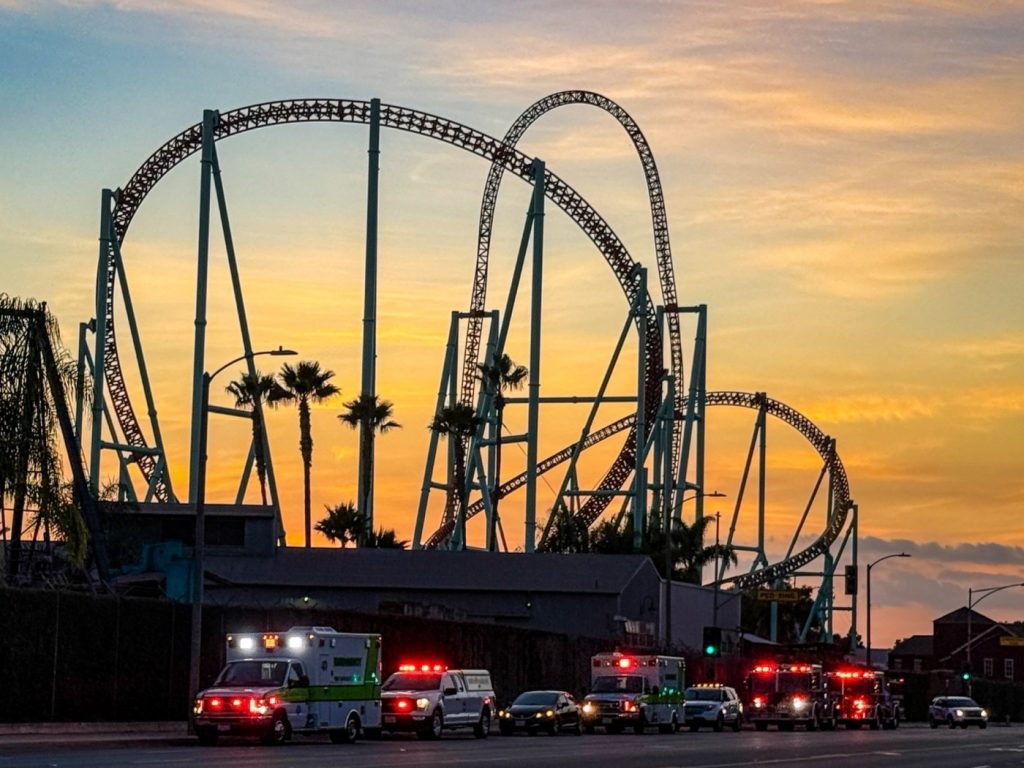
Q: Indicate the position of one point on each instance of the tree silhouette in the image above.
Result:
(458, 423)
(252, 392)
(304, 384)
(370, 415)
(342, 525)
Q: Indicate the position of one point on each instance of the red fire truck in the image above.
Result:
(787, 695)
(861, 695)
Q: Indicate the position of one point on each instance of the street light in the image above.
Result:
(971, 602)
(668, 560)
(199, 545)
(870, 566)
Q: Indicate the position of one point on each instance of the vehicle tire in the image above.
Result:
(671, 727)
(896, 720)
(555, 728)
(983, 725)
(641, 725)
(505, 730)
(737, 724)
(812, 724)
(932, 722)
(787, 726)
(694, 727)
(613, 729)
(207, 735)
(278, 732)
(578, 730)
(349, 733)
(589, 729)
(719, 724)
(482, 728)
(875, 723)
(759, 726)
(964, 726)
(952, 722)
(434, 728)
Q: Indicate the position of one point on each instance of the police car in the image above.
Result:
(430, 699)
(712, 705)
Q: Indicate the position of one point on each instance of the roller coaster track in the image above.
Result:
(821, 443)
(129, 198)
(659, 218)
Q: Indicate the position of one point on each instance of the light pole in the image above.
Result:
(199, 545)
(870, 566)
(668, 561)
(971, 602)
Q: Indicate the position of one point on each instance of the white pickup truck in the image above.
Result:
(430, 698)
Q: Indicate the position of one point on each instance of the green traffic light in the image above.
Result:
(710, 650)
(965, 676)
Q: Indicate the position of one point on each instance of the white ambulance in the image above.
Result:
(634, 691)
(306, 680)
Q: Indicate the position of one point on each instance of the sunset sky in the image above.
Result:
(845, 190)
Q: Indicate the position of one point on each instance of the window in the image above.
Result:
(1008, 669)
(988, 668)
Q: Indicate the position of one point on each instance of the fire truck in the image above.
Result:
(787, 695)
(634, 691)
(860, 695)
(305, 680)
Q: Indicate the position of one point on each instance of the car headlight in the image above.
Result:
(539, 715)
(799, 704)
(984, 713)
(422, 703)
(549, 713)
(588, 708)
(959, 713)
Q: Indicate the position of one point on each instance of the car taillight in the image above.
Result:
(217, 704)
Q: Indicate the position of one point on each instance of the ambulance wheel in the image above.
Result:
(481, 729)
(434, 727)
(278, 732)
(640, 725)
(349, 733)
(207, 735)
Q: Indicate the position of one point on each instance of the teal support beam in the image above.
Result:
(98, 387)
(533, 408)
(210, 118)
(369, 381)
(639, 472)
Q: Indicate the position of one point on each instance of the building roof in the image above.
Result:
(959, 616)
(321, 567)
(915, 645)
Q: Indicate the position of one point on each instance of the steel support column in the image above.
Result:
(533, 409)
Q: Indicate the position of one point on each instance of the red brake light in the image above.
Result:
(215, 703)
(625, 663)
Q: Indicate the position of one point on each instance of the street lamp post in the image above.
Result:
(668, 561)
(971, 602)
(199, 545)
(870, 566)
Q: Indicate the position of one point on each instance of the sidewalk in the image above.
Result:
(27, 733)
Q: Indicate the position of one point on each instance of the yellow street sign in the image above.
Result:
(1016, 642)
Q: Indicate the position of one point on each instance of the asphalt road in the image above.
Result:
(906, 748)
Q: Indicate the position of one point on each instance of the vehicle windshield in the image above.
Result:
(623, 684)
(253, 673)
(402, 681)
(704, 694)
(793, 683)
(539, 698)
(961, 701)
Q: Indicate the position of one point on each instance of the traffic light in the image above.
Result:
(851, 580)
(712, 644)
(965, 670)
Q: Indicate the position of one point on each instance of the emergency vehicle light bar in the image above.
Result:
(422, 667)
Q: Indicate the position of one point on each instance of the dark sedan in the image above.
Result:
(548, 711)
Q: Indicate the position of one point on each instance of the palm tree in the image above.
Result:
(303, 384)
(689, 554)
(458, 423)
(253, 391)
(343, 524)
(501, 376)
(386, 538)
(370, 415)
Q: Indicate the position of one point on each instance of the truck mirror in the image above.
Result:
(450, 691)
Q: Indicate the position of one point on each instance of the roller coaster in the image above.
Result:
(663, 436)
